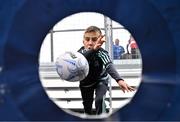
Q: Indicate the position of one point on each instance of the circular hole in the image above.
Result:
(67, 35)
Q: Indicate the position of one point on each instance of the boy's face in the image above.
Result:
(116, 42)
(90, 39)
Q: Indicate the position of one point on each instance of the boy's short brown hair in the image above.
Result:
(93, 29)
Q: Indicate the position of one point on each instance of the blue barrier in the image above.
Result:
(153, 23)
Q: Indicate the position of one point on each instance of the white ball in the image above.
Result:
(72, 66)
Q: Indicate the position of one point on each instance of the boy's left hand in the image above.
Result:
(99, 42)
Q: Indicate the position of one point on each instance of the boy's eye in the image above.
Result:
(91, 38)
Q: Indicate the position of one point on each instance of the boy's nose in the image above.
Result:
(90, 41)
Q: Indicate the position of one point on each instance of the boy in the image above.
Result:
(100, 65)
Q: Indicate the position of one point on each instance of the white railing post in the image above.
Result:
(109, 48)
(52, 45)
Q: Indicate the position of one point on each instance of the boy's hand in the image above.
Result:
(124, 86)
(99, 42)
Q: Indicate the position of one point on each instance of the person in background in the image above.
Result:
(118, 50)
(100, 65)
(133, 48)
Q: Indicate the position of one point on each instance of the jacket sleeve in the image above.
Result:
(109, 66)
(113, 72)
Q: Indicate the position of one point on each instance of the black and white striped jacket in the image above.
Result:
(100, 65)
